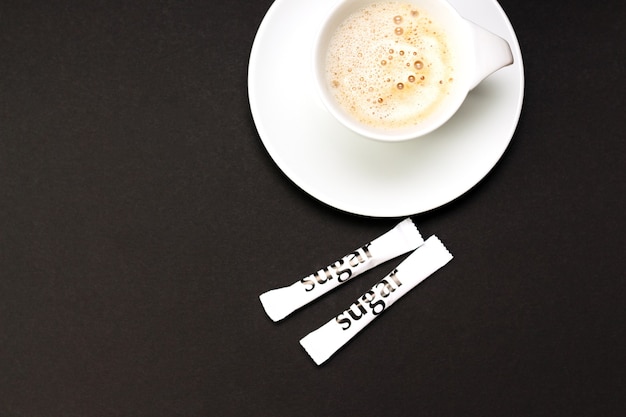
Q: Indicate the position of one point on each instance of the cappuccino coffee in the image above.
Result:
(389, 65)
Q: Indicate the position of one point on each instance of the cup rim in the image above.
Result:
(330, 21)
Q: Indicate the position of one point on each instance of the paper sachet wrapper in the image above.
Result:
(322, 343)
(281, 302)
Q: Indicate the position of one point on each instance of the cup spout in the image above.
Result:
(491, 53)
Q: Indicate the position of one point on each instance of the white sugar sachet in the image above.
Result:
(281, 302)
(322, 343)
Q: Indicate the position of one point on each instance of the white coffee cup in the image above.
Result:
(471, 54)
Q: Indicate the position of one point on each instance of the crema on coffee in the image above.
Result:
(389, 65)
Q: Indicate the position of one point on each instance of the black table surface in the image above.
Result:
(141, 217)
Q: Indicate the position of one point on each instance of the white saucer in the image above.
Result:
(359, 175)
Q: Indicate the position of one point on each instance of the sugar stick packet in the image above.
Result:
(322, 343)
(281, 302)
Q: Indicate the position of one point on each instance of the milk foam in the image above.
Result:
(389, 65)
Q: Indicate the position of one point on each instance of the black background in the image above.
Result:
(141, 217)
